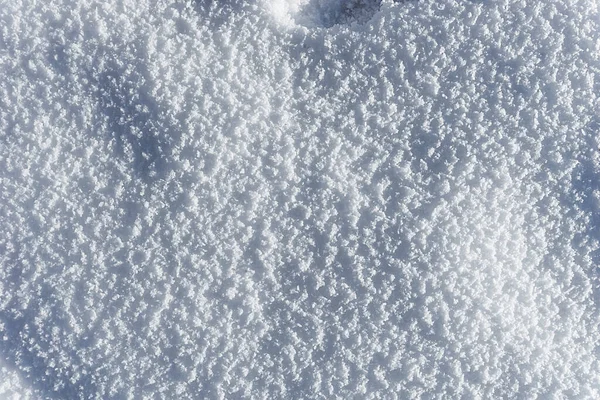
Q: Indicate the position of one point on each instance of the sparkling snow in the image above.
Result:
(299, 199)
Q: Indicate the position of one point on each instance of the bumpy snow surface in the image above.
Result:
(318, 199)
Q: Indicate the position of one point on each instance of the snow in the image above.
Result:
(299, 199)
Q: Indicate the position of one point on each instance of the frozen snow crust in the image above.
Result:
(222, 200)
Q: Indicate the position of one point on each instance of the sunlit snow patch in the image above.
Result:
(12, 386)
(284, 11)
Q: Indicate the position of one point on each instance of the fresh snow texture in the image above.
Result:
(292, 199)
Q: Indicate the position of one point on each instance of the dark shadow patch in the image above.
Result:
(131, 118)
(326, 14)
(584, 195)
(336, 12)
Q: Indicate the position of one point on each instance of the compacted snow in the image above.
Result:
(299, 199)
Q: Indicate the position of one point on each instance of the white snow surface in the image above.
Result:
(299, 199)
